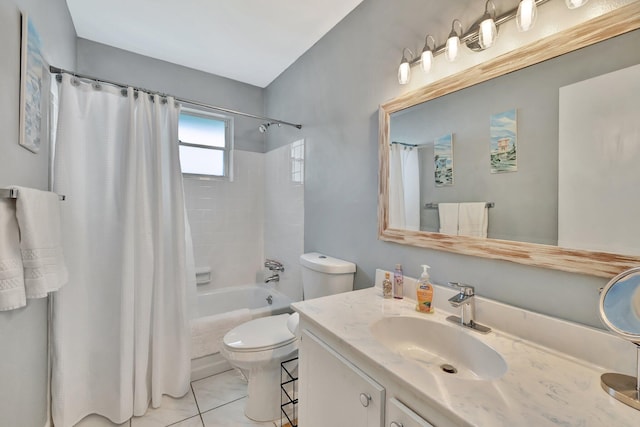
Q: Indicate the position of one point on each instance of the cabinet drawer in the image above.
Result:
(399, 415)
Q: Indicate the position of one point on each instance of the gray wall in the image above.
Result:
(526, 201)
(23, 332)
(334, 90)
(106, 62)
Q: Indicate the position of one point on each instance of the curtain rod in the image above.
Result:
(56, 70)
(406, 144)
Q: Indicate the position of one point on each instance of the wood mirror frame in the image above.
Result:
(620, 21)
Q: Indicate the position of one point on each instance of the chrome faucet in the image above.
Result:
(274, 265)
(467, 303)
(273, 278)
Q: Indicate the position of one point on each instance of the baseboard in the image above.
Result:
(206, 366)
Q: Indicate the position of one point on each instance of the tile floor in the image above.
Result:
(215, 401)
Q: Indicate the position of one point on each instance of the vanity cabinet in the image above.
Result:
(335, 392)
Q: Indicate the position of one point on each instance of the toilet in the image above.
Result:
(258, 346)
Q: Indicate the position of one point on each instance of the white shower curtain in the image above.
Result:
(120, 335)
(404, 188)
(396, 188)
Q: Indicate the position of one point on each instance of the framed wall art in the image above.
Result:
(34, 88)
(443, 160)
(504, 134)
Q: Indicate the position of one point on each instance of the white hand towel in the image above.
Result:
(38, 214)
(12, 293)
(473, 219)
(207, 332)
(448, 213)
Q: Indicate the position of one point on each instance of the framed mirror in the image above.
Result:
(549, 243)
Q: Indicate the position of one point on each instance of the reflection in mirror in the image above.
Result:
(531, 207)
(404, 180)
(526, 199)
(620, 305)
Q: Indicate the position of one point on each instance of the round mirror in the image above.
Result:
(620, 305)
(620, 312)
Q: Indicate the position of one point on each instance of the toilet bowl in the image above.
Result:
(258, 346)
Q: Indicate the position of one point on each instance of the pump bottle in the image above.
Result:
(424, 292)
(398, 280)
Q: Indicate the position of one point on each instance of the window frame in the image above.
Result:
(227, 150)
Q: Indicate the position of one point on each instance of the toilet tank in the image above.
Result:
(324, 275)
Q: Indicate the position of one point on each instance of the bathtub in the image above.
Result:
(260, 299)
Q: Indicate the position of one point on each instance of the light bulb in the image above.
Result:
(451, 51)
(527, 14)
(488, 32)
(426, 59)
(453, 42)
(572, 4)
(404, 73)
(404, 70)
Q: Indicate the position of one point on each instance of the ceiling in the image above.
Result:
(252, 41)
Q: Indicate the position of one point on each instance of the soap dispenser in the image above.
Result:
(398, 281)
(424, 292)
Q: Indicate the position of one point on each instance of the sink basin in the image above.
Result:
(444, 349)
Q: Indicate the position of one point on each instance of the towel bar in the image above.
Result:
(435, 205)
(12, 193)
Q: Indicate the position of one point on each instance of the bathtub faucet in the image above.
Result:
(273, 278)
(274, 265)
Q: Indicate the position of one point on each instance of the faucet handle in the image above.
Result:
(467, 290)
(274, 265)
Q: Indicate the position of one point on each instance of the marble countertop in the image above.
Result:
(541, 387)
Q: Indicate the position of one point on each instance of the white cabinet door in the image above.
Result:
(333, 391)
(398, 415)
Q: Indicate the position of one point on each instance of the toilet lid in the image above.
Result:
(260, 334)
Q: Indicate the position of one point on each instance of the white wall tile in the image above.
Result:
(226, 219)
(284, 220)
(235, 225)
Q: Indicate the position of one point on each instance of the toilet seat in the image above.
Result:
(264, 333)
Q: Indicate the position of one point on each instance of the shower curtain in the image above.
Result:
(120, 335)
(404, 188)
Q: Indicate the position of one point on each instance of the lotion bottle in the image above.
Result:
(424, 292)
(387, 286)
(398, 280)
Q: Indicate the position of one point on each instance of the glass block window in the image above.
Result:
(297, 162)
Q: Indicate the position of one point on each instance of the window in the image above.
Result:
(205, 143)
(297, 162)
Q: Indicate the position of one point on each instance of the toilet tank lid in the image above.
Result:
(326, 264)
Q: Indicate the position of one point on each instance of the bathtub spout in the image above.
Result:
(274, 278)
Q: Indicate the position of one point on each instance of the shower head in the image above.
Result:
(263, 127)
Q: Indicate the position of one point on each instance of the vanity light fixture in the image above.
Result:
(488, 32)
(481, 35)
(453, 41)
(527, 14)
(573, 4)
(404, 70)
(427, 53)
